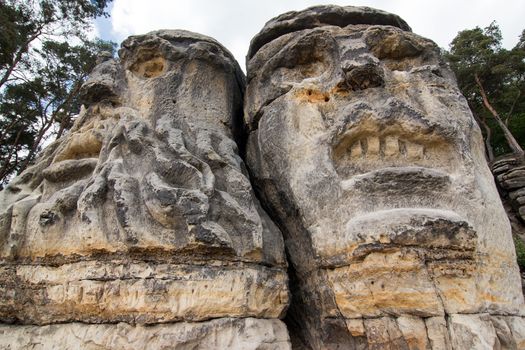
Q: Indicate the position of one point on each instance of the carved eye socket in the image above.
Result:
(307, 58)
(392, 44)
(148, 65)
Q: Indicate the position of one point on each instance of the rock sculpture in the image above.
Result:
(510, 175)
(140, 229)
(144, 214)
(366, 155)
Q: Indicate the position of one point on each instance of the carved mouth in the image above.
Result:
(398, 137)
(375, 150)
(405, 181)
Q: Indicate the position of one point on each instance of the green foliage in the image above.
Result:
(478, 52)
(520, 252)
(44, 59)
(502, 73)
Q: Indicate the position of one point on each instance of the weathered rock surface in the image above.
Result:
(513, 198)
(140, 229)
(225, 333)
(510, 175)
(144, 214)
(364, 152)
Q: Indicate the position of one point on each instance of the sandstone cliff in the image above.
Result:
(140, 229)
(510, 175)
(366, 155)
(144, 214)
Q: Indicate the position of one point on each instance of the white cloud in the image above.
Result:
(235, 22)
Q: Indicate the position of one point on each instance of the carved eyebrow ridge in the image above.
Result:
(318, 16)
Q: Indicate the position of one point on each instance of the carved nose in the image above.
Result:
(362, 77)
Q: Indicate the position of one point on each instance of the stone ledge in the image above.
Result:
(139, 292)
(224, 333)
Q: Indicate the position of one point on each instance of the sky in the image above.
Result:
(234, 22)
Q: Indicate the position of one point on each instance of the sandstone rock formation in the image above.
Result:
(510, 175)
(140, 229)
(143, 214)
(366, 155)
(223, 333)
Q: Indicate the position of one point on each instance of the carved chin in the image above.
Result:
(432, 233)
(431, 253)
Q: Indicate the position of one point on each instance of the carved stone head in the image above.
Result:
(364, 149)
(144, 210)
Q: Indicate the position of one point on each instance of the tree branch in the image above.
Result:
(512, 108)
(19, 56)
(9, 166)
(514, 145)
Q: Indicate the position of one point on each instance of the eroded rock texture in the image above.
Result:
(366, 154)
(224, 333)
(510, 175)
(144, 214)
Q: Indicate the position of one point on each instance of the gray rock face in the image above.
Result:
(224, 333)
(318, 16)
(144, 213)
(510, 175)
(363, 150)
(140, 229)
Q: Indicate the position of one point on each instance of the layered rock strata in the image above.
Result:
(510, 175)
(139, 228)
(364, 152)
(144, 215)
(223, 333)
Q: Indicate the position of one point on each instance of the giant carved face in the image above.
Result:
(143, 211)
(371, 159)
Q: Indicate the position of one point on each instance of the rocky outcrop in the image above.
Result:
(510, 175)
(223, 333)
(364, 152)
(144, 214)
(510, 178)
(140, 228)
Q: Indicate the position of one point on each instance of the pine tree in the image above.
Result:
(44, 59)
(492, 79)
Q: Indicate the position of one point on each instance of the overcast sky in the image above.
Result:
(235, 22)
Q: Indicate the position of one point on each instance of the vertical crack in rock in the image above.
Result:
(436, 289)
(366, 155)
(429, 341)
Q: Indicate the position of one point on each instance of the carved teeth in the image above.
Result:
(356, 151)
(373, 145)
(387, 147)
(414, 151)
(391, 146)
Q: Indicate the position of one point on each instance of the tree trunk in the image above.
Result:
(66, 121)
(514, 145)
(512, 108)
(9, 165)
